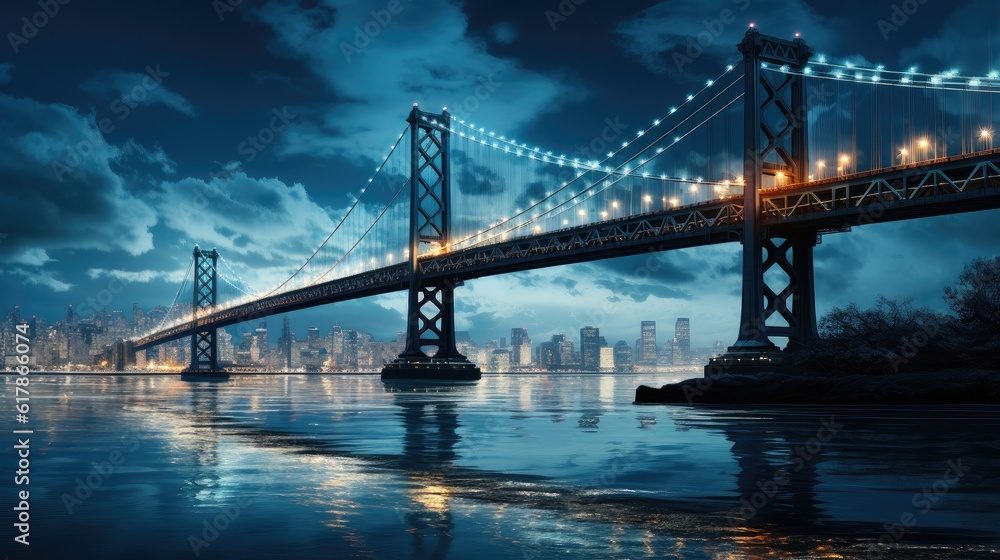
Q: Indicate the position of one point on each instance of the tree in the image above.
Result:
(889, 337)
(976, 296)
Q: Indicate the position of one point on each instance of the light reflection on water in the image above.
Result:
(515, 466)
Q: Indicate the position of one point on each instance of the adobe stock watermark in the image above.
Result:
(711, 30)
(31, 25)
(122, 108)
(910, 346)
(922, 503)
(486, 86)
(249, 149)
(256, 143)
(621, 463)
(563, 11)
(898, 17)
(799, 457)
(365, 34)
(223, 7)
(873, 212)
(212, 528)
(102, 471)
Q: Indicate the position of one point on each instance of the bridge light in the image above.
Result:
(604, 213)
(614, 204)
(674, 202)
(923, 143)
(993, 75)
(648, 198)
(986, 137)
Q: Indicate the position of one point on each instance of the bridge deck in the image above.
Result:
(942, 186)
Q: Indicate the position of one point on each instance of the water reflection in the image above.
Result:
(430, 435)
(340, 466)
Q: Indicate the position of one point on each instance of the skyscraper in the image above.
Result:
(261, 342)
(590, 349)
(648, 338)
(623, 356)
(337, 344)
(285, 345)
(682, 341)
(520, 347)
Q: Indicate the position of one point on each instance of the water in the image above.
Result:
(516, 466)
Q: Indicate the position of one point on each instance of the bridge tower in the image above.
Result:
(776, 144)
(431, 304)
(204, 348)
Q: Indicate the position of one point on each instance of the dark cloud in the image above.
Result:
(673, 267)
(475, 179)
(660, 36)
(133, 89)
(640, 292)
(59, 188)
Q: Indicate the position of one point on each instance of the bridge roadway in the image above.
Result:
(942, 186)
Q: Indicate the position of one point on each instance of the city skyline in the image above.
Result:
(88, 341)
(282, 143)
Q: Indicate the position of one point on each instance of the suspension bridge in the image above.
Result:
(781, 147)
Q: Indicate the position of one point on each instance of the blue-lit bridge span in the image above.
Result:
(769, 193)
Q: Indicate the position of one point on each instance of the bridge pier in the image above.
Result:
(122, 355)
(431, 303)
(776, 145)
(204, 347)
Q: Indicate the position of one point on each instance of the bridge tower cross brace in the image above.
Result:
(431, 302)
(204, 347)
(775, 144)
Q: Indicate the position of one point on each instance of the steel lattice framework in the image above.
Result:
(204, 346)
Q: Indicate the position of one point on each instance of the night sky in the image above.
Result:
(96, 185)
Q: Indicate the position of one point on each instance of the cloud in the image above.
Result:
(669, 37)
(140, 276)
(963, 36)
(44, 278)
(30, 256)
(639, 292)
(423, 54)
(504, 33)
(245, 215)
(135, 89)
(5, 69)
(60, 188)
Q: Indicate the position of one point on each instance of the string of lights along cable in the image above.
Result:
(863, 117)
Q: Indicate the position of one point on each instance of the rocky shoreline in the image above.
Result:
(954, 386)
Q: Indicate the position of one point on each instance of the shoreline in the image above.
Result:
(952, 386)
